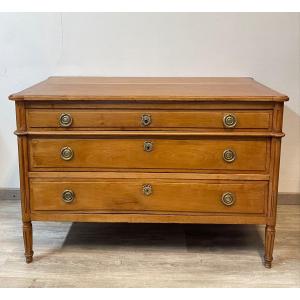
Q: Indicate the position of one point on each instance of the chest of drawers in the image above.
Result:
(165, 150)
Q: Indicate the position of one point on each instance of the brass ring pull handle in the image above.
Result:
(148, 146)
(147, 189)
(230, 120)
(66, 153)
(68, 196)
(65, 120)
(228, 199)
(229, 155)
(146, 120)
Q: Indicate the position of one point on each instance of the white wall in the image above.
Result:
(265, 46)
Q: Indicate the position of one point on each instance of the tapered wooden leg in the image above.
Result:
(27, 236)
(269, 245)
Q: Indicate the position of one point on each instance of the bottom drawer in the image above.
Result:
(145, 196)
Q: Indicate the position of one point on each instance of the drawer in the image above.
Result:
(147, 119)
(153, 195)
(151, 154)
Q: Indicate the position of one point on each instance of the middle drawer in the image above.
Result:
(228, 154)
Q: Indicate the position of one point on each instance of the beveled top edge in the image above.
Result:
(148, 89)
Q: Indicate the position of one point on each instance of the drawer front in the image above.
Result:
(148, 119)
(150, 154)
(123, 195)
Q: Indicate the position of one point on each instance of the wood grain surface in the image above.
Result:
(160, 119)
(166, 196)
(145, 89)
(175, 154)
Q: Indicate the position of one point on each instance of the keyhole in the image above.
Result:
(148, 146)
(146, 120)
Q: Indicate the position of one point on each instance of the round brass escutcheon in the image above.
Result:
(147, 189)
(66, 153)
(148, 146)
(230, 120)
(68, 196)
(229, 155)
(146, 120)
(65, 120)
(228, 199)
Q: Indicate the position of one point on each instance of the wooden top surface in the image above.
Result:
(149, 88)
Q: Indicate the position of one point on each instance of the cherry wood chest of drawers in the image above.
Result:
(165, 150)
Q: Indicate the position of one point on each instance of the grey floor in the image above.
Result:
(148, 255)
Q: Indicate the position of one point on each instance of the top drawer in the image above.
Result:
(115, 119)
